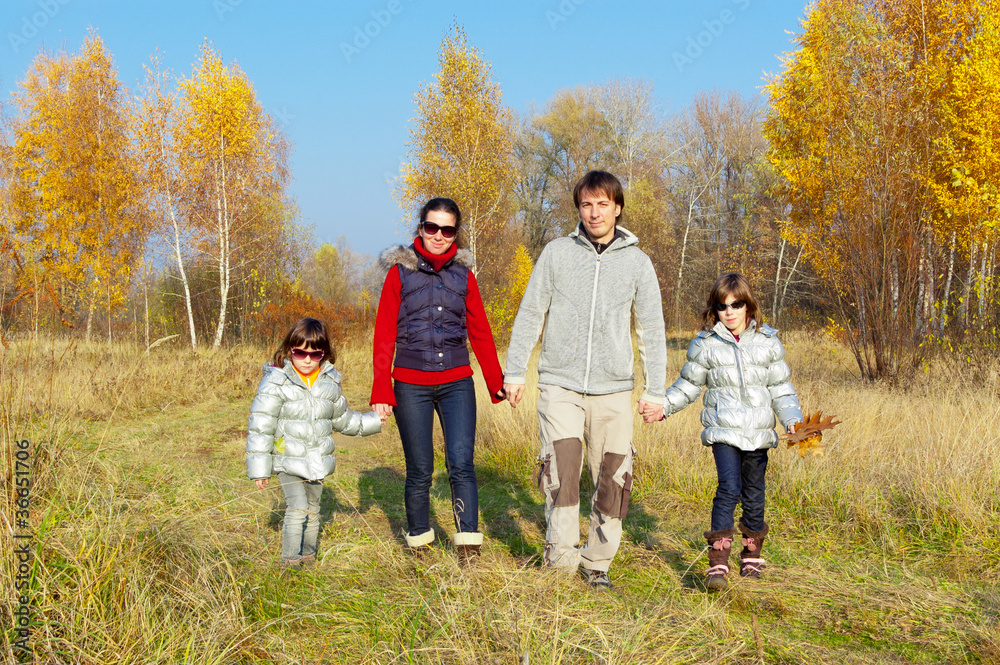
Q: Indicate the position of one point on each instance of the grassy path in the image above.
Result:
(153, 547)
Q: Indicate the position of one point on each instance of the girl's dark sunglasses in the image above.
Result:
(302, 354)
(721, 306)
(430, 228)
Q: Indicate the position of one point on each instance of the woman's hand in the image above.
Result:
(383, 411)
(514, 392)
(261, 483)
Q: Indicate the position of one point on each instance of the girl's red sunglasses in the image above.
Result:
(302, 354)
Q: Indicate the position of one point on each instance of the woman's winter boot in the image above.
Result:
(720, 544)
(751, 562)
(468, 545)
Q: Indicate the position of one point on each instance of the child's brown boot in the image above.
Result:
(720, 544)
(751, 562)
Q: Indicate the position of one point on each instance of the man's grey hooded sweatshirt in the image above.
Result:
(586, 301)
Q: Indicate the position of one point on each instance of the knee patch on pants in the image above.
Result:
(559, 475)
(614, 485)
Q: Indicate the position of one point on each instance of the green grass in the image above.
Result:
(153, 547)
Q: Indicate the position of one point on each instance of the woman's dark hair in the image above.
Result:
(306, 332)
(440, 204)
(735, 285)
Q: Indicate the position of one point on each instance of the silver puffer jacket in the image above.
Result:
(748, 382)
(291, 426)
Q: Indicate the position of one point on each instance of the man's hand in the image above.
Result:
(383, 411)
(650, 412)
(515, 391)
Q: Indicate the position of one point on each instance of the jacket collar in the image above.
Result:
(720, 330)
(628, 239)
(289, 371)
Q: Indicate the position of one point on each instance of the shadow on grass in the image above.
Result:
(506, 501)
(328, 505)
(383, 488)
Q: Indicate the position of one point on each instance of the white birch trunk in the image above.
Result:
(946, 298)
(777, 283)
(222, 224)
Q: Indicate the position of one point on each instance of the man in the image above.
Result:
(585, 290)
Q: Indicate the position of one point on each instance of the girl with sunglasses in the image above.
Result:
(298, 406)
(743, 364)
(430, 305)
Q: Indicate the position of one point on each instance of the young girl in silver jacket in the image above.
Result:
(297, 408)
(743, 364)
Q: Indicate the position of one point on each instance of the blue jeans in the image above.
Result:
(741, 480)
(455, 404)
(301, 524)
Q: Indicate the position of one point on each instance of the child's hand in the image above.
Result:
(261, 483)
(791, 428)
(650, 412)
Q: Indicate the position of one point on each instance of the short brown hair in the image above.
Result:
(600, 182)
(305, 332)
(735, 285)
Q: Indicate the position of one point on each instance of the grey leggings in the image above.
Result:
(301, 525)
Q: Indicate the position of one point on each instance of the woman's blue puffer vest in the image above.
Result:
(430, 331)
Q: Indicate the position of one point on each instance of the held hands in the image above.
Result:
(261, 483)
(383, 411)
(650, 412)
(514, 392)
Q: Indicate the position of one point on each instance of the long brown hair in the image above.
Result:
(305, 332)
(735, 285)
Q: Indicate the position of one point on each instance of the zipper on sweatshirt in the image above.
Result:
(590, 331)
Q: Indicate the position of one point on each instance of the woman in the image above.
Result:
(430, 305)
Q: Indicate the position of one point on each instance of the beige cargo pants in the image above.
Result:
(566, 421)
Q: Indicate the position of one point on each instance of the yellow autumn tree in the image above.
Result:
(77, 205)
(502, 308)
(855, 120)
(967, 184)
(233, 170)
(462, 148)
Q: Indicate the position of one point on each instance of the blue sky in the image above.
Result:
(345, 98)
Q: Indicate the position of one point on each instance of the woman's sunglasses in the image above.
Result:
(302, 354)
(722, 307)
(430, 228)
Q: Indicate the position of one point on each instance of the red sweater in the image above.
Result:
(384, 349)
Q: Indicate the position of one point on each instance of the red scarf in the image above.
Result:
(437, 261)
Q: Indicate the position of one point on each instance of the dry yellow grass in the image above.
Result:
(152, 547)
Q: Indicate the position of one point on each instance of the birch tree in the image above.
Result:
(462, 147)
(233, 163)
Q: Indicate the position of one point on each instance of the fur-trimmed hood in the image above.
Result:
(406, 256)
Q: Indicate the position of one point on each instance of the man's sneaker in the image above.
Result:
(598, 579)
